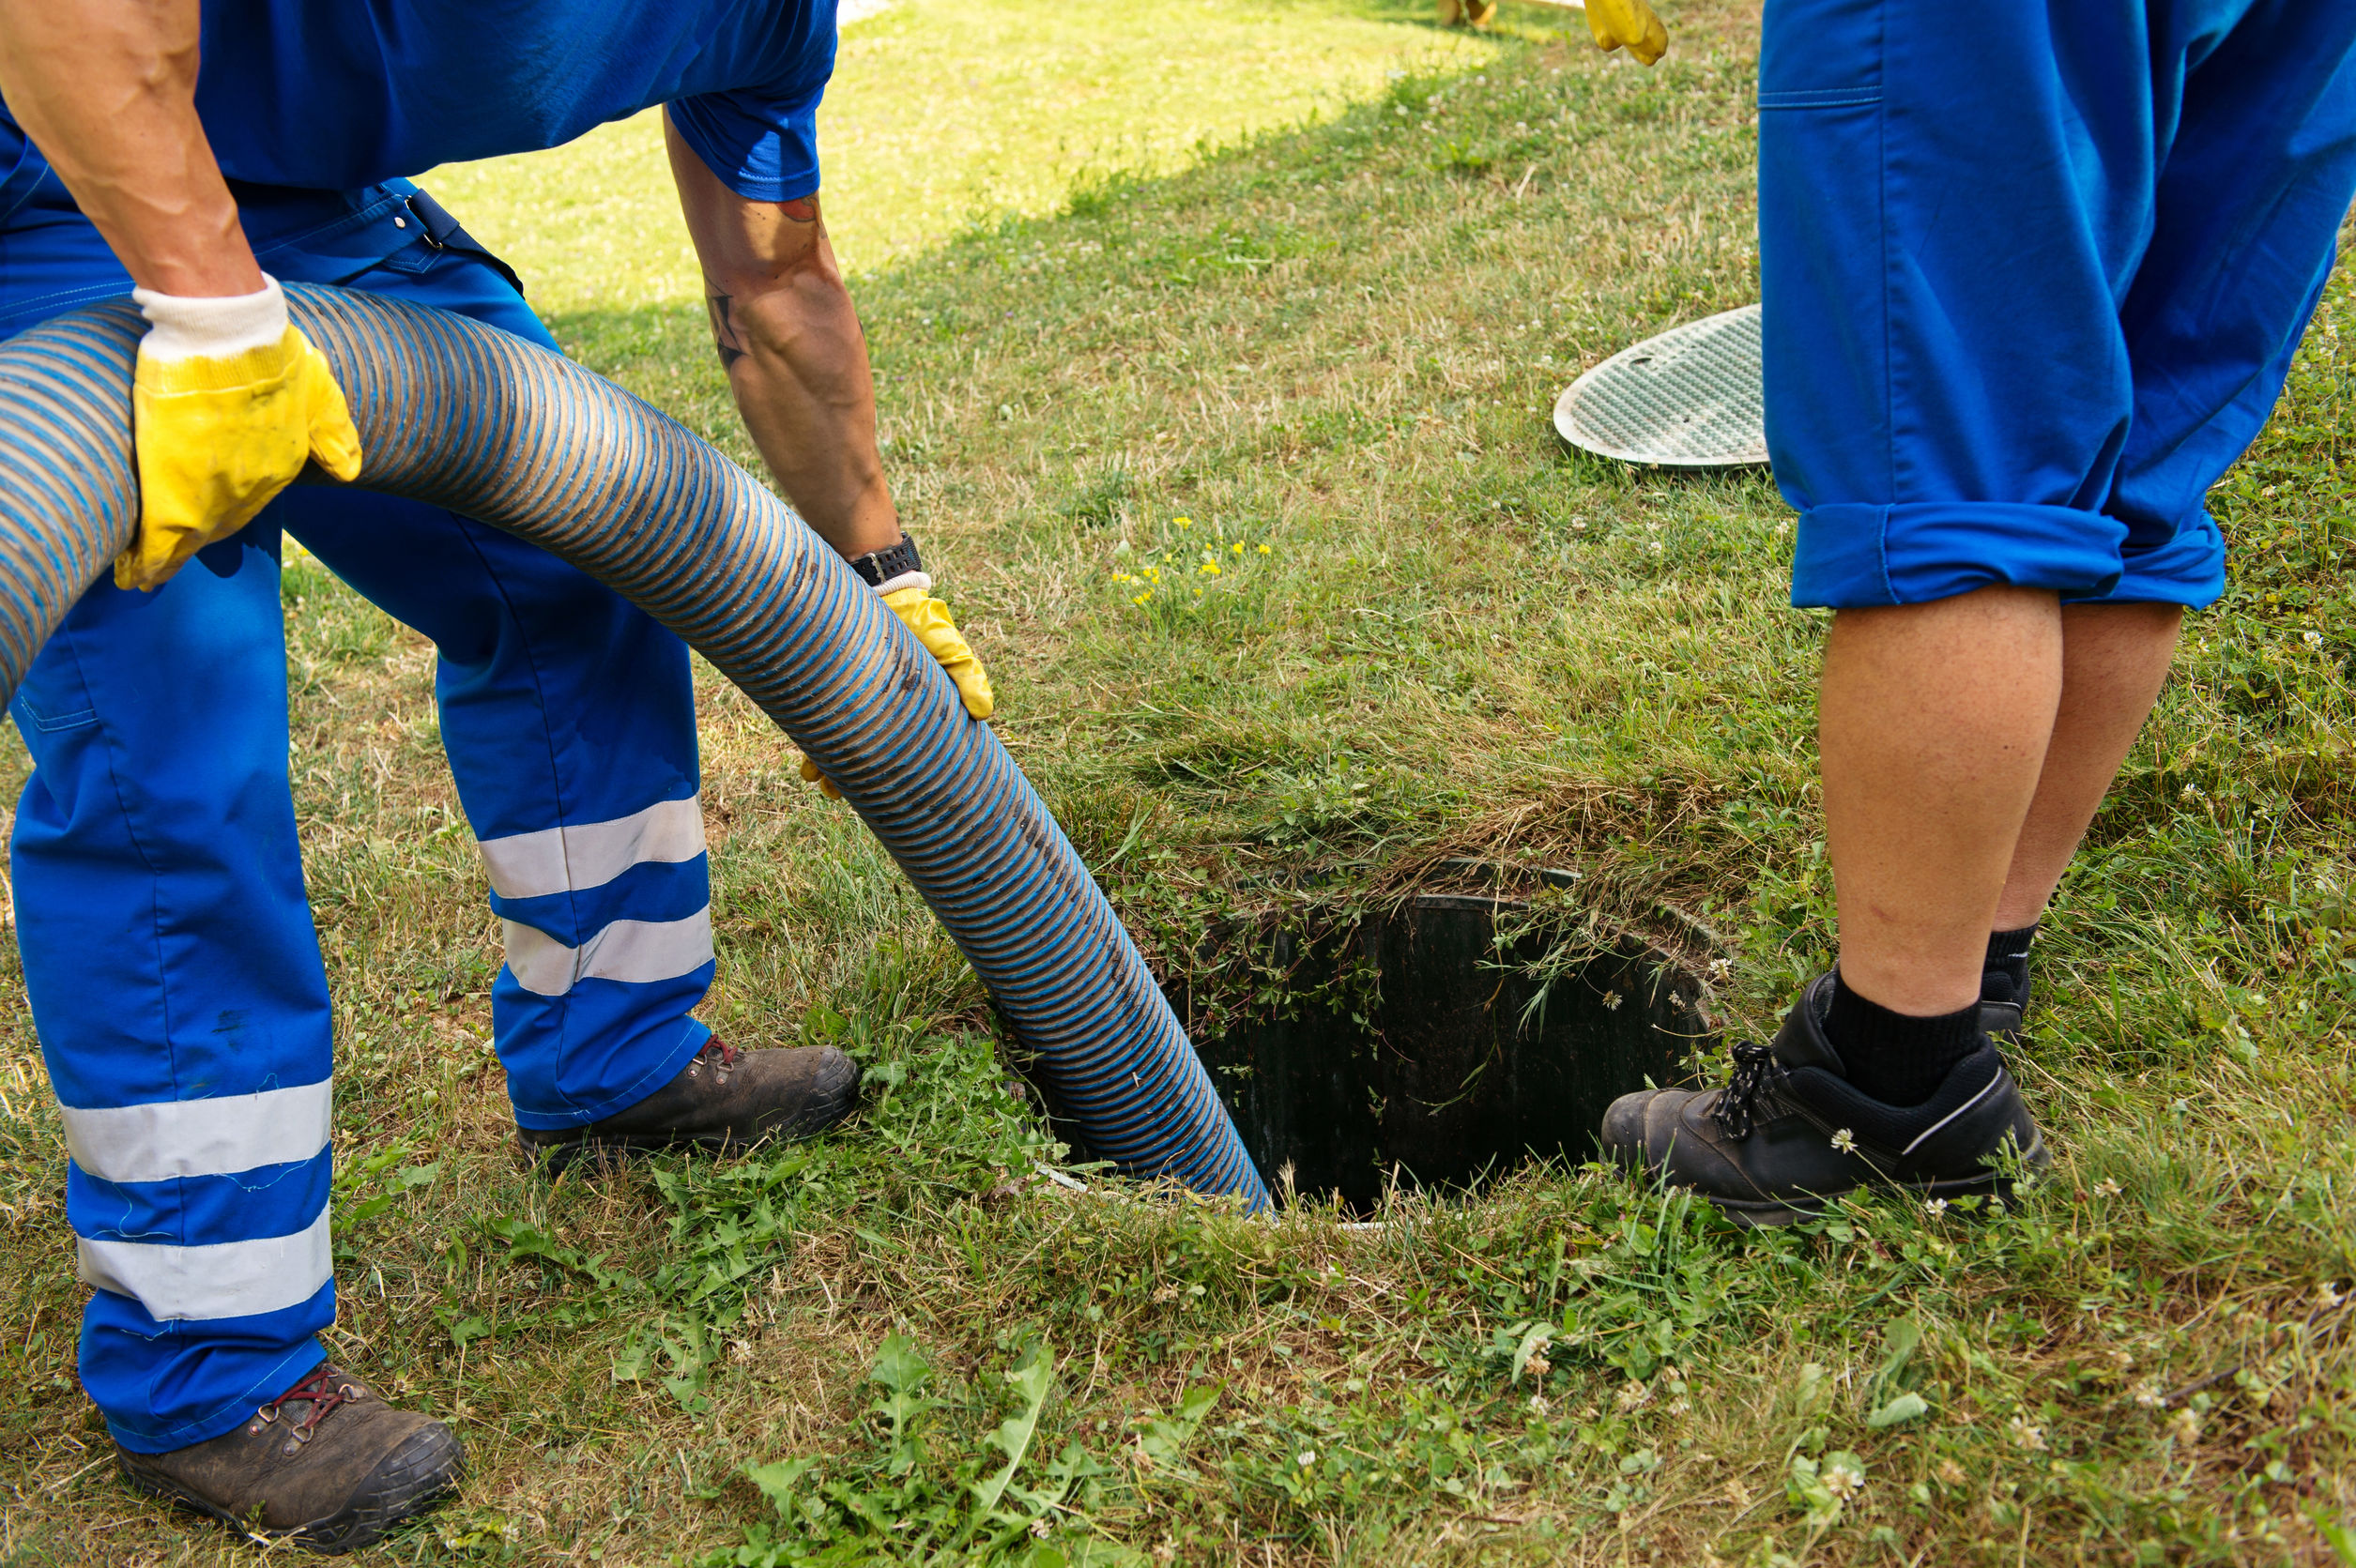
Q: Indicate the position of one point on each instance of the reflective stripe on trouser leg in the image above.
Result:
(179, 993)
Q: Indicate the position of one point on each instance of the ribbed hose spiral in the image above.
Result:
(465, 416)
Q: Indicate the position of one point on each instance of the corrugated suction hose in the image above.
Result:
(465, 416)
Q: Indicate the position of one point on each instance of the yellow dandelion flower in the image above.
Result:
(1140, 599)
(1209, 569)
(1265, 550)
(1184, 522)
(1237, 547)
(1123, 577)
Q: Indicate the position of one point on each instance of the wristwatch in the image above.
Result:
(879, 567)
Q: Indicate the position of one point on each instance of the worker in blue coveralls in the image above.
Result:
(197, 155)
(2034, 275)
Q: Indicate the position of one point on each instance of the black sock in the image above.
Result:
(2008, 956)
(1891, 1056)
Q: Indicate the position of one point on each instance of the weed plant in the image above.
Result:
(1234, 460)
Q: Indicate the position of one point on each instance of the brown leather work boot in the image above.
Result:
(726, 1099)
(328, 1463)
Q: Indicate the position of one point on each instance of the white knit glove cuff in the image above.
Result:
(906, 580)
(184, 328)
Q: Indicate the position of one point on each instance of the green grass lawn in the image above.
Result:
(1165, 279)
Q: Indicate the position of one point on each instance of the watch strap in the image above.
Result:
(879, 567)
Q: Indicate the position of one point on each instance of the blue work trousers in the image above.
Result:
(175, 974)
(2033, 274)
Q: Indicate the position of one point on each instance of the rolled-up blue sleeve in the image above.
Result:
(761, 142)
(762, 145)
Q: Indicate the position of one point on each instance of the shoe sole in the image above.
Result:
(415, 1477)
(554, 1159)
(1769, 1214)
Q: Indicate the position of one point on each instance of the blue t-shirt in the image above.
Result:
(334, 95)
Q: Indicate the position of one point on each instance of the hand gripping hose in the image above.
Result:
(463, 415)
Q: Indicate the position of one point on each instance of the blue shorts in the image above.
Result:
(2033, 277)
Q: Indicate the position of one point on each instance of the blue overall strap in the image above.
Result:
(443, 231)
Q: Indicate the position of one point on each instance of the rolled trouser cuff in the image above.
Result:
(1853, 557)
(2189, 570)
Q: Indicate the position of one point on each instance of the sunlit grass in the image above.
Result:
(944, 113)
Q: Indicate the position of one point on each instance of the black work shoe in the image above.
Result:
(2001, 1012)
(1789, 1131)
(2003, 999)
(725, 1099)
(328, 1463)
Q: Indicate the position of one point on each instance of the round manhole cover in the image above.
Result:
(1690, 398)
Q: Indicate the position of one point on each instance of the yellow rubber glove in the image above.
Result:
(928, 617)
(1615, 23)
(810, 774)
(228, 400)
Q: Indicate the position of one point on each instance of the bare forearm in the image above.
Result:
(786, 333)
(797, 362)
(106, 88)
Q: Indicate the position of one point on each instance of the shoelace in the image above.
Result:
(721, 1058)
(1755, 1068)
(323, 1391)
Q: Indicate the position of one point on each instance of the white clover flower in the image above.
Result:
(2184, 1426)
(2148, 1394)
(2107, 1188)
(1306, 1457)
(2313, 639)
(1842, 1477)
(1934, 1207)
(2024, 1434)
(1844, 1141)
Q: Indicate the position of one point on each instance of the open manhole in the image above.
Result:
(1413, 1048)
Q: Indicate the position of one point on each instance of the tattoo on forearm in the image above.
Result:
(723, 339)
